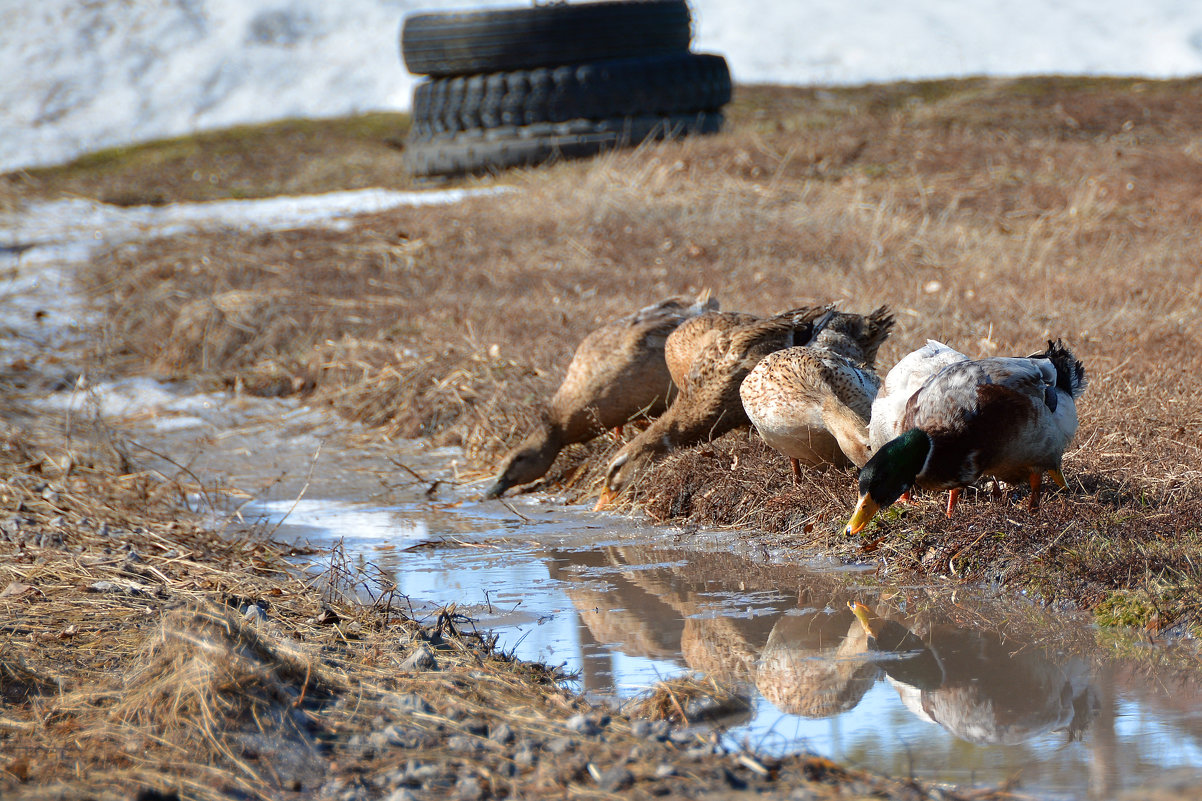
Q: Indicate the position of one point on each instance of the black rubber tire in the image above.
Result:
(678, 83)
(481, 150)
(468, 42)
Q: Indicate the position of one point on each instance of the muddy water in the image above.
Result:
(968, 695)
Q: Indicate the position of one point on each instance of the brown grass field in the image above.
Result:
(990, 214)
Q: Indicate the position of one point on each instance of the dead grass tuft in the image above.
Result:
(206, 666)
(686, 700)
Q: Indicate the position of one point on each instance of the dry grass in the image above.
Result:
(286, 157)
(991, 214)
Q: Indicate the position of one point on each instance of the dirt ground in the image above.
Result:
(989, 214)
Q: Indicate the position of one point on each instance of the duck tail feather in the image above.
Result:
(1070, 373)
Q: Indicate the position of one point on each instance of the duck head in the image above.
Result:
(619, 474)
(625, 467)
(890, 472)
(528, 462)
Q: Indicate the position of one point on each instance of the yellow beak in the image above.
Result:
(863, 614)
(607, 497)
(865, 510)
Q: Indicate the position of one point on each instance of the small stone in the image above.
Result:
(525, 756)
(476, 726)
(400, 737)
(423, 773)
(254, 614)
(412, 702)
(560, 745)
(582, 724)
(468, 789)
(401, 794)
(501, 733)
(421, 659)
(462, 742)
(393, 778)
(664, 769)
(614, 779)
(641, 729)
(661, 729)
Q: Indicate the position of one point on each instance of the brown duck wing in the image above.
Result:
(694, 335)
(974, 411)
(857, 336)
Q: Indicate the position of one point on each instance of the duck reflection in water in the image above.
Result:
(976, 686)
(816, 664)
(822, 658)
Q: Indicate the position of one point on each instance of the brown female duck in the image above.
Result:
(693, 335)
(708, 404)
(812, 403)
(617, 373)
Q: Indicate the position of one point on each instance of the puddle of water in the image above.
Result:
(606, 599)
(942, 701)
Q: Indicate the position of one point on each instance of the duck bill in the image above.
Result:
(863, 614)
(865, 510)
(607, 498)
(498, 489)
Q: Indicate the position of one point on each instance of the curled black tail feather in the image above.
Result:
(1070, 373)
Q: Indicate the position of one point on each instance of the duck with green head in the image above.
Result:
(1009, 418)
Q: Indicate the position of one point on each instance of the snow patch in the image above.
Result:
(94, 75)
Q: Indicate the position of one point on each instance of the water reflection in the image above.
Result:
(816, 664)
(977, 686)
(879, 681)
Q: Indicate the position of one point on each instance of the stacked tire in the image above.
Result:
(519, 86)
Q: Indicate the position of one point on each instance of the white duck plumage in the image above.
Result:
(900, 384)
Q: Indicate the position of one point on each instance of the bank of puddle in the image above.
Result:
(621, 605)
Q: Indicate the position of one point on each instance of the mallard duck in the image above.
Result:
(617, 373)
(856, 336)
(902, 381)
(1010, 418)
(708, 405)
(693, 335)
(812, 403)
